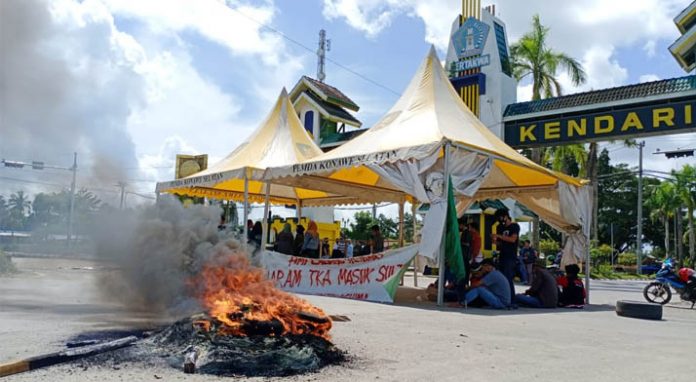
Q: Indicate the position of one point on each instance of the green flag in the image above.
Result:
(453, 248)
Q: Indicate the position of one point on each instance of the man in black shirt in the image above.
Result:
(507, 241)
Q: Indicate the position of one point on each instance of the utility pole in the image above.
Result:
(122, 186)
(611, 234)
(324, 46)
(639, 234)
(72, 199)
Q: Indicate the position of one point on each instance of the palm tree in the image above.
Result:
(662, 201)
(557, 156)
(19, 205)
(686, 192)
(531, 56)
(3, 212)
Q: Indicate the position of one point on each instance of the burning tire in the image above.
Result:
(636, 309)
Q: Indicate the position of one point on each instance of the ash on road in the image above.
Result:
(51, 300)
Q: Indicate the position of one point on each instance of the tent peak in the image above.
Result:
(433, 52)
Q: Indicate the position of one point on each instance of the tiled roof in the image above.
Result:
(333, 94)
(333, 109)
(334, 138)
(647, 89)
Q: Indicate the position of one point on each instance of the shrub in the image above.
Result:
(6, 265)
(627, 258)
(601, 254)
(549, 247)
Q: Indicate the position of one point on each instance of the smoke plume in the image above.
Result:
(157, 251)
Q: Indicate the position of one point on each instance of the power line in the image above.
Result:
(363, 77)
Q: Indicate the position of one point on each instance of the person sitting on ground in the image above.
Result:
(310, 247)
(299, 240)
(543, 293)
(376, 240)
(572, 291)
(284, 240)
(494, 289)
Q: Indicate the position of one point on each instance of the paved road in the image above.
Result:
(409, 341)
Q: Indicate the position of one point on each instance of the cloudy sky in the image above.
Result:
(127, 84)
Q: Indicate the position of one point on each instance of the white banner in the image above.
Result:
(371, 278)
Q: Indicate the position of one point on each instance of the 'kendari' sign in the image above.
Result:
(632, 121)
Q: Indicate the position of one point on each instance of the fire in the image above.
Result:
(241, 301)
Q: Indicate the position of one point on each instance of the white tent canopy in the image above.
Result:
(403, 157)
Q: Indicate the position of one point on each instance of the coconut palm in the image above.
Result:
(532, 57)
(19, 206)
(686, 191)
(662, 201)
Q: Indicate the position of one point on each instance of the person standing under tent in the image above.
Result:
(298, 243)
(310, 247)
(325, 249)
(349, 249)
(284, 240)
(475, 246)
(507, 241)
(528, 257)
(256, 234)
(376, 240)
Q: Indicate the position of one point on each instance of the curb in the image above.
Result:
(50, 359)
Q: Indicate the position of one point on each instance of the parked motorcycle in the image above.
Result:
(660, 290)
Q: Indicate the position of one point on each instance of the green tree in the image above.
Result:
(19, 206)
(686, 191)
(532, 57)
(662, 201)
(4, 213)
(360, 227)
(388, 226)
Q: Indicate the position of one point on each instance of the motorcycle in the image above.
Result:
(660, 290)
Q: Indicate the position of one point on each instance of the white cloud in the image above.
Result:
(368, 16)
(114, 96)
(649, 78)
(591, 30)
(524, 93)
(650, 47)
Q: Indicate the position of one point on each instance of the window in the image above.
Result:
(502, 49)
(309, 122)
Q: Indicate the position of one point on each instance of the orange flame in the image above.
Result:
(244, 302)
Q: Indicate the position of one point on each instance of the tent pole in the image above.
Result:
(415, 259)
(266, 208)
(246, 209)
(401, 232)
(441, 265)
(587, 274)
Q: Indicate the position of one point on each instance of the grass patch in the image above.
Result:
(6, 265)
(616, 276)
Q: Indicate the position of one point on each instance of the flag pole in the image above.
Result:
(441, 265)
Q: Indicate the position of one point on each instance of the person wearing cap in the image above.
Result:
(543, 293)
(493, 289)
(507, 241)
